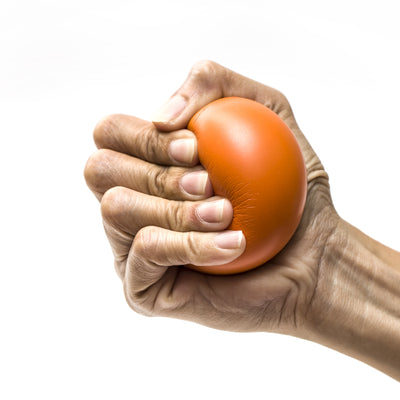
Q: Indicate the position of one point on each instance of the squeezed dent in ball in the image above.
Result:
(254, 160)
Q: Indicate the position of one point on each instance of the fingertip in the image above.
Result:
(216, 213)
(230, 240)
(197, 184)
(222, 249)
(183, 151)
(165, 118)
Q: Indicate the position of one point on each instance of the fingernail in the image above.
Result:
(170, 110)
(182, 150)
(195, 183)
(229, 240)
(212, 211)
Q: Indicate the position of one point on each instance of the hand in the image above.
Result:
(331, 284)
(158, 215)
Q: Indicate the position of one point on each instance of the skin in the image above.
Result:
(331, 284)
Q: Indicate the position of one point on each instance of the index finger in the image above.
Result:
(141, 139)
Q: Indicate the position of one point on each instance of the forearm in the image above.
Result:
(360, 311)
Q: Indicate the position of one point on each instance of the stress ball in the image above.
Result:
(253, 159)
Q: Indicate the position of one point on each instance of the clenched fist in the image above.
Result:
(160, 214)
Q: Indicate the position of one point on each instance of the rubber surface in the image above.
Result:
(254, 160)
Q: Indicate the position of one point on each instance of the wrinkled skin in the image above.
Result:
(154, 228)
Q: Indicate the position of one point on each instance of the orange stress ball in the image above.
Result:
(254, 160)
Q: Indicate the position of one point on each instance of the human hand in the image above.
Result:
(154, 225)
(331, 284)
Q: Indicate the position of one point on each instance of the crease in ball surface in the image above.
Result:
(254, 160)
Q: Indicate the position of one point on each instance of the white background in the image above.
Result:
(66, 331)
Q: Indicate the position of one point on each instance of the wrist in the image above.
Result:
(356, 305)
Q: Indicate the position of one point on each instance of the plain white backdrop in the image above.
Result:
(65, 329)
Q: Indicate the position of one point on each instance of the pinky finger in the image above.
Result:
(155, 249)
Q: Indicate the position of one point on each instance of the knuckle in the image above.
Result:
(282, 100)
(164, 182)
(205, 72)
(180, 216)
(144, 241)
(189, 214)
(158, 181)
(279, 104)
(194, 250)
(104, 129)
(96, 170)
(280, 97)
(151, 143)
(111, 203)
(173, 216)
